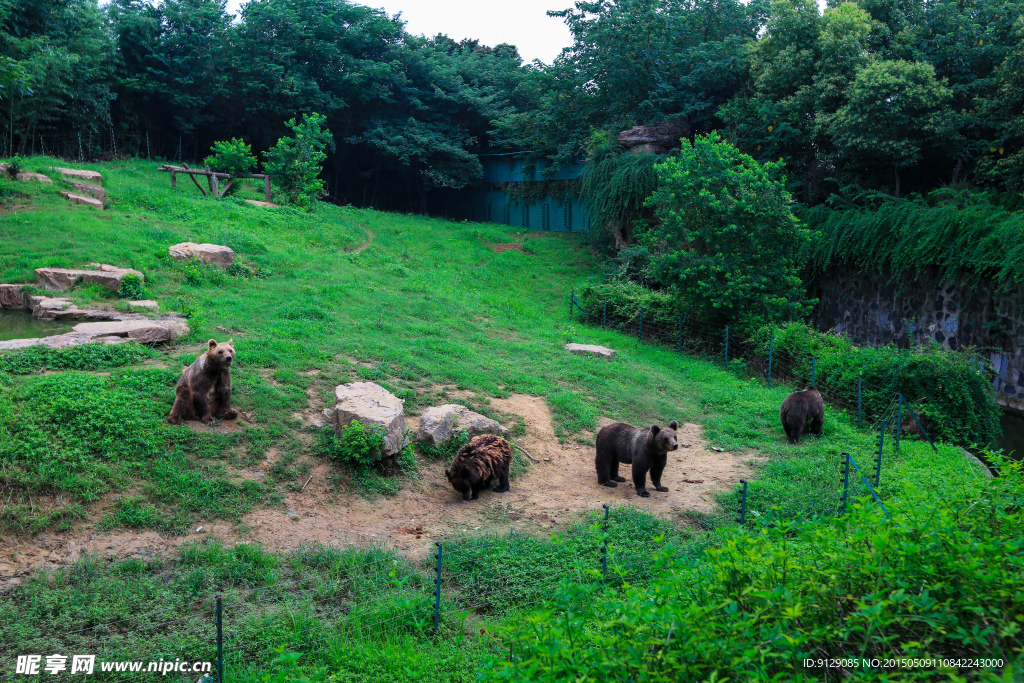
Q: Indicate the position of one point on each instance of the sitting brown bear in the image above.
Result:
(646, 449)
(798, 408)
(204, 390)
(486, 458)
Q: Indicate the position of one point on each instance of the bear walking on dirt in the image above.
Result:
(798, 408)
(486, 458)
(646, 449)
(204, 390)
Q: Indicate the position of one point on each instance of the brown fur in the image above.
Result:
(645, 449)
(798, 408)
(484, 459)
(204, 390)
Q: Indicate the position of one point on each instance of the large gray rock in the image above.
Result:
(439, 423)
(371, 404)
(660, 138)
(80, 174)
(38, 177)
(92, 190)
(214, 254)
(60, 279)
(12, 296)
(83, 200)
(141, 330)
(590, 350)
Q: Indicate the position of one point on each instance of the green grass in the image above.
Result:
(425, 303)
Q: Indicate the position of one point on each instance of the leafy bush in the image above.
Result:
(295, 162)
(359, 447)
(446, 451)
(131, 287)
(947, 388)
(615, 186)
(231, 156)
(931, 583)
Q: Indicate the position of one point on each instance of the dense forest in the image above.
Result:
(897, 96)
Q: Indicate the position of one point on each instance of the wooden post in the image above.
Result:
(174, 180)
(213, 185)
(266, 187)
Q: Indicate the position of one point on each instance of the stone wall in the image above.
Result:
(876, 311)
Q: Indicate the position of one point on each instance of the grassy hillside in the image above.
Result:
(317, 300)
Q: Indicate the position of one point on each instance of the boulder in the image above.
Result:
(371, 404)
(60, 279)
(38, 177)
(141, 330)
(214, 254)
(660, 138)
(80, 174)
(438, 424)
(91, 190)
(12, 296)
(83, 200)
(590, 350)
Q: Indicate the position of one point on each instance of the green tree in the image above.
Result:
(894, 110)
(296, 162)
(727, 241)
(231, 156)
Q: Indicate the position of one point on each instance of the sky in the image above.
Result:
(523, 23)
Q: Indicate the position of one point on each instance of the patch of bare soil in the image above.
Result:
(550, 496)
(362, 247)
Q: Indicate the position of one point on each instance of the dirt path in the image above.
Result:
(550, 496)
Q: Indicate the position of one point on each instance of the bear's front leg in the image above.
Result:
(222, 399)
(202, 409)
(657, 467)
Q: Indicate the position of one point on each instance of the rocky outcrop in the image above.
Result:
(214, 254)
(371, 404)
(438, 424)
(590, 350)
(61, 279)
(660, 138)
(80, 174)
(12, 296)
(83, 200)
(130, 327)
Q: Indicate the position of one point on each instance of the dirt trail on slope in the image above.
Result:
(548, 497)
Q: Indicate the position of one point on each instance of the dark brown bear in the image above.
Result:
(484, 459)
(647, 450)
(798, 408)
(204, 390)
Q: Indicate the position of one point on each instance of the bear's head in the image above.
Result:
(664, 439)
(221, 354)
(463, 480)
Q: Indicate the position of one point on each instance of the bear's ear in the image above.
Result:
(213, 343)
(673, 425)
(655, 429)
(230, 341)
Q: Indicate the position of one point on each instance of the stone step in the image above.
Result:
(38, 177)
(80, 174)
(84, 201)
(91, 190)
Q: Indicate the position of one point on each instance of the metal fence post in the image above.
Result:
(860, 409)
(846, 482)
(680, 334)
(148, 155)
(437, 589)
(572, 298)
(81, 157)
(604, 315)
(220, 642)
(640, 332)
(604, 549)
(743, 503)
(899, 422)
(771, 349)
(726, 344)
(814, 363)
(878, 455)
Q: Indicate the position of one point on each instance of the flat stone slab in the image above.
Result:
(214, 254)
(38, 177)
(439, 424)
(371, 404)
(590, 350)
(80, 174)
(59, 308)
(256, 202)
(146, 304)
(83, 200)
(61, 279)
(12, 296)
(133, 328)
(91, 190)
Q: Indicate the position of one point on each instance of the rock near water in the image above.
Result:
(371, 404)
(438, 424)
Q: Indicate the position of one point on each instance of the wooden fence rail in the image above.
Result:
(213, 179)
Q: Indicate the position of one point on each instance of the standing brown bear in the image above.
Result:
(204, 390)
(798, 408)
(647, 450)
(486, 458)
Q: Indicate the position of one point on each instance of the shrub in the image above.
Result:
(359, 447)
(446, 451)
(231, 156)
(295, 162)
(131, 287)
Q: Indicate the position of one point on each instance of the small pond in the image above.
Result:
(15, 324)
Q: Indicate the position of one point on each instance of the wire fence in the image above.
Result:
(103, 145)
